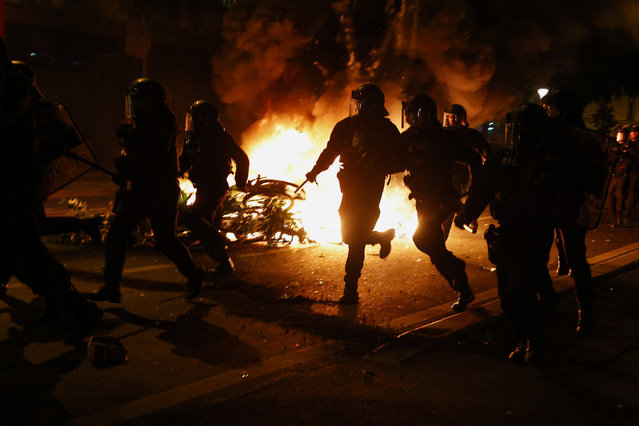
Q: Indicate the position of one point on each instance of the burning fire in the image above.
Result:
(286, 148)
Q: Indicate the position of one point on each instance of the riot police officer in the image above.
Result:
(455, 121)
(431, 153)
(531, 190)
(621, 161)
(366, 143)
(586, 171)
(54, 139)
(207, 156)
(148, 170)
(22, 252)
(633, 179)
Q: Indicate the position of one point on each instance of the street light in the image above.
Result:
(542, 92)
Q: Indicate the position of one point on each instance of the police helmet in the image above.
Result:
(143, 97)
(634, 128)
(455, 116)
(525, 126)
(564, 104)
(369, 99)
(202, 114)
(420, 111)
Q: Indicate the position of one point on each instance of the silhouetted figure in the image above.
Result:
(54, 137)
(586, 173)
(621, 159)
(431, 154)
(21, 248)
(456, 122)
(207, 156)
(149, 189)
(633, 178)
(532, 189)
(366, 143)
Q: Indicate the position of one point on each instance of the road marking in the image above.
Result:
(180, 394)
(147, 268)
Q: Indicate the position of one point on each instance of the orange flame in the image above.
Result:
(285, 147)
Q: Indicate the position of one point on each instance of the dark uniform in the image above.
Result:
(456, 122)
(367, 146)
(585, 176)
(633, 179)
(149, 171)
(54, 137)
(21, 250)
(621, 159)
(431, 153)
(532, 191)
(207, 156)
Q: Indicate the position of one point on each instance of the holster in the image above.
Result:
(495, 253)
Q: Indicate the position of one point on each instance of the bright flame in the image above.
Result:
(187, 188)
(286, 148)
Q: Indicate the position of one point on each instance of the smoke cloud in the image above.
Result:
(303, 58)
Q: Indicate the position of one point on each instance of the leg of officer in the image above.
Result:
(429, 238)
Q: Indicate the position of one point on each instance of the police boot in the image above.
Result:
(225, 267)
(466, 295)
(194, 283)
(109, 292)
(562, 264)
(518, 354)
(533, 351)
(584, 320)
(385, 239)
(350, 296)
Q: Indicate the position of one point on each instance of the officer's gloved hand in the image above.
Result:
(460, 220)
(312, 176)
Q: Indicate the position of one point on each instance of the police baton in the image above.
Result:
(76, 157)
(300, 186)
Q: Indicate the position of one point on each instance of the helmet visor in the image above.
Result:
(128, 107)
(451, 120)
(188, 125)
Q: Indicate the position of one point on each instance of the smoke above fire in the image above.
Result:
(286, 56)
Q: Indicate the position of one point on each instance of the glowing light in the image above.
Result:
(188, 190)
(542, 92)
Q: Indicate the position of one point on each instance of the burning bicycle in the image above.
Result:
(265, 211)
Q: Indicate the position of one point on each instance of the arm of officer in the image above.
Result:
(329, 154)
(241, 165)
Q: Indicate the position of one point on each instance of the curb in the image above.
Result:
(438, 323)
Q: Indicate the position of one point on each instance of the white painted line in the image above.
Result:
(147, 268)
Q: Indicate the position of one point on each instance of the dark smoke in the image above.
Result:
(488, 56)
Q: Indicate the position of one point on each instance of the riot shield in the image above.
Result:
(65, 154)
